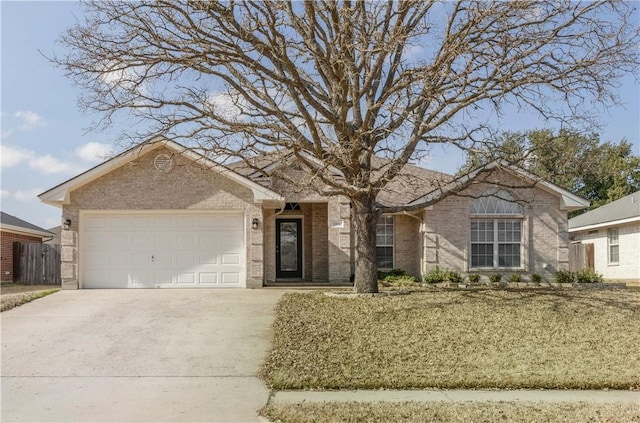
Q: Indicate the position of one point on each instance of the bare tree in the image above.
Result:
(345, 81)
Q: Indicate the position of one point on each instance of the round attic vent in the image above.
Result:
(162, 162)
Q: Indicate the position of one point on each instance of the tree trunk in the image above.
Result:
(365, 219)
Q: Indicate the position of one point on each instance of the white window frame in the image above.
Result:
(496, 206)
(613, 241)
(389, 221)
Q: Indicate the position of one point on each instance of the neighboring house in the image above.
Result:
(614, 231)
(160, 215)
(14, 229)
(55, 239)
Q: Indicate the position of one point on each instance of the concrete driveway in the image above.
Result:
(137, 355)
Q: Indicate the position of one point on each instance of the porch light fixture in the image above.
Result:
(67, 223)
(254, 223)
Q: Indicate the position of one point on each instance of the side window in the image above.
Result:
(384, 243)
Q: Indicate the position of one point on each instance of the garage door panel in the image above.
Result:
(186, 279)
(163, 240)
(230, 278)
(208, 278)
(231, 258)
(118, 240)
(147, 250)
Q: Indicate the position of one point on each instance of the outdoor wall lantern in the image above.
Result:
(254, 223)
(67, 223)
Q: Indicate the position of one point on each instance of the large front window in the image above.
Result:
(496, 233)
(384, 243)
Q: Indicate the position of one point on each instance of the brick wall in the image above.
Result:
(446, 240)
(407, 244)
(139, 186)
(6, 256)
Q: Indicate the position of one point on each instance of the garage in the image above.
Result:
(162, 250)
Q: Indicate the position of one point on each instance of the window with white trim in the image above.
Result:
(614, 245)
(496, 231)
(384, 243)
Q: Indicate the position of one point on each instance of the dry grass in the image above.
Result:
(521, 412)
(13, 294)
(554, 339)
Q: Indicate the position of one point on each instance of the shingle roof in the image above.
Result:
(8, 220)
(412, 181)
(624, 208)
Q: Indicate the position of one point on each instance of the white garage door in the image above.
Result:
(162, 250)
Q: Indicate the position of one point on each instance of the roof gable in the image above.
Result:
(568, 200)
(625, 209)
(59, 195)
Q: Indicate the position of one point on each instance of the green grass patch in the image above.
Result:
(9, 301)
(520, 412)
(482, 338)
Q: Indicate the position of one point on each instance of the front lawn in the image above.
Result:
(483, 338)
(520, 412)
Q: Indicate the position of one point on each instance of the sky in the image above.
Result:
(43, 131)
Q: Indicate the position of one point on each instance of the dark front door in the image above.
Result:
(288, 248)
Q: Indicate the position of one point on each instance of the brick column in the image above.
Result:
(339, 235)
(255, 250)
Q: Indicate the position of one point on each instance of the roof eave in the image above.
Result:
(605, 224)
(21, 230)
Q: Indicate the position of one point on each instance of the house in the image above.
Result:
(14, 229)
(55, 239)
(614, 232)
(161, 215)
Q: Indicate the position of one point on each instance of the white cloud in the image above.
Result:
(30, 120)
(93, 151)
(23, 120)
(11, 156)
(44, 164)
(48, 164)
(4, 193)
(28, 194)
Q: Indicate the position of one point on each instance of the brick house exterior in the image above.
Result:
(13, 229)
(278, 222)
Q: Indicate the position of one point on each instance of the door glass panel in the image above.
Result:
(288, 246)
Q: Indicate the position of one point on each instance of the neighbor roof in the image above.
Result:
(623, 210)
(14, 224)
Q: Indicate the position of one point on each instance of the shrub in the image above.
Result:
(396, 277)
(434, 276)
(474, 277)
(588, 276)
(495, 278)
(564, 276)
(453, 276)
(536, 278)
(514, 277)
(393, 272)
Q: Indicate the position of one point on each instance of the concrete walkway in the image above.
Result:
(459, 396)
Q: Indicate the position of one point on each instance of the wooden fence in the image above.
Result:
(581, 256)
(36, 264)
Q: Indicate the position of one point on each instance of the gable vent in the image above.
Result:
(163, 162)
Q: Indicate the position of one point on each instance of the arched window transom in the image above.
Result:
(496, 203)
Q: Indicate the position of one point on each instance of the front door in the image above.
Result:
(289, 248)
